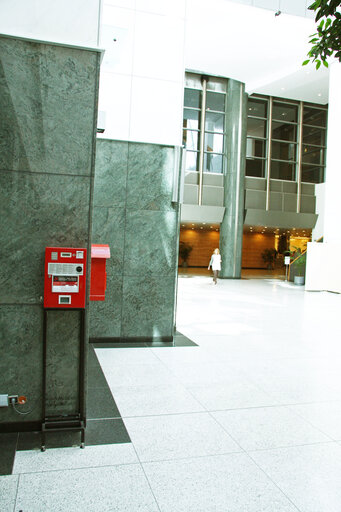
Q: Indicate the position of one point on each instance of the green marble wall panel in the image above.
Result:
(106, 316)
(108, 227)
(21, 359)
(62, 362)
(150, 243)
(47, 103)
(150, 177)
(111, 174)
(148, 304)
(40, 210)
(141, 224)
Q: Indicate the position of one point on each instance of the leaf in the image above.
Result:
(318, 64)
(305, 62)
(325, 63)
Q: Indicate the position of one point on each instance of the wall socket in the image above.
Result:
(3, 400)
(6, 400)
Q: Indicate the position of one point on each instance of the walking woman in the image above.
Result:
(215, 263)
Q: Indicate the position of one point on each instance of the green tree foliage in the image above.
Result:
(326, 42)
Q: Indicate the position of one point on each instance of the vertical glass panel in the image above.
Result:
(215, 101)
(311, 155)
(283, 131)
(255, 147)
(284, 112)
(257, 107)
(313, 135)
(312, 174)
(214, 122)
(255, 168)
(256, 127)
(191, 119)
(283, 151)
(314, 116)
(192, 98)
(283, 171)
(191, 140)
(214, 142)
(192, 161)
(213, 163)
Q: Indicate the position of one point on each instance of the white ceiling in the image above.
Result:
(254, 46)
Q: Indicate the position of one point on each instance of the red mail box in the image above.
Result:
(65, 277)
(98, 283)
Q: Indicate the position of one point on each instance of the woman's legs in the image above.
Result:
(215, 275)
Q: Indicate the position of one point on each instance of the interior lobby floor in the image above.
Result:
(249, 420)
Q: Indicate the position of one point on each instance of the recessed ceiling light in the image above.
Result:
(319, 94)
(282, 88)
(192, 224)
(201, 228)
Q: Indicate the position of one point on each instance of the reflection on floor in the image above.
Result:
(247, 421)
(247, 273)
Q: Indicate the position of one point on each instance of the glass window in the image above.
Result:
(256, 127)
(312, 174)
(255, 167)
(192, 98)
(214, 122)
(312, 155)
(215, 101)
(314, 116)
(284, 112)
(191, 119)
(191, 140)
(255, 147)
(214, 142)
(213, 163)
(284, 131)
(312, 135)
(283, 171)
(257, 107)
(283, 151)
(192, 159)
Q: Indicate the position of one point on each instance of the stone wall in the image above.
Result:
(48, 104)
(135, 215)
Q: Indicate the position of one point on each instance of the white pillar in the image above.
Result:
(332, 213)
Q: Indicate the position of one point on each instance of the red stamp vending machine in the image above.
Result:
(65, 278)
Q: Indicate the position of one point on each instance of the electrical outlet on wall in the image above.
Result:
(3, 400)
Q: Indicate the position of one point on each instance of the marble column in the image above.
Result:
(231, 229)
(48, 104)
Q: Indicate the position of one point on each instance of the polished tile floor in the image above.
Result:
(247, 421)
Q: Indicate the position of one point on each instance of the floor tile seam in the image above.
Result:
(104, 419)
(193, 457)
(259, 467)
(301, 445)
(308, 422)
(16, 493)
(164, 414)
(145, 475)
(82, 468)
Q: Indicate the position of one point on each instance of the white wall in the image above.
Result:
(332, 214)
(62, 21)
(323, 267)
(142, 74)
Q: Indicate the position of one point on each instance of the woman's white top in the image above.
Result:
(215, 262)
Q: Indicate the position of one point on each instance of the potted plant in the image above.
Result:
(184, 251)
(269, 256)
(299, 267)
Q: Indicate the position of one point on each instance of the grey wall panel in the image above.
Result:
(276, 186)
(191, 194)
(255, 199)
(290, 202)
(276, 201)
(308, 189)
(106, 316)
(192, 178)
(308, 204)
(108, 227)
(289, 187)
(215, 180)
(212, 196)
(255, 183)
